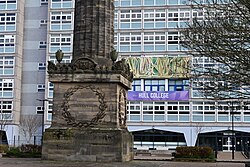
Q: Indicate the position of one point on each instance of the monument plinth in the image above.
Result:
(90, 93)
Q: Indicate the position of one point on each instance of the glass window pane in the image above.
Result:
(149, 2)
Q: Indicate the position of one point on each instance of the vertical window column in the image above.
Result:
(134, 111)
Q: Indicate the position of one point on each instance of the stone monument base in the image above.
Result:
(89, 144)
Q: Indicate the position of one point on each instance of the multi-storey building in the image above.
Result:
(23, 32)
(165, 109)
(147, 34)
(11, 57)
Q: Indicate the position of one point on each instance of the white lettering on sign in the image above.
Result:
(153, 95)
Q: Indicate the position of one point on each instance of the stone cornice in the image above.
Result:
(89, 66)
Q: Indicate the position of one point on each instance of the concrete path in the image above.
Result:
(225, 156)
(15, 162)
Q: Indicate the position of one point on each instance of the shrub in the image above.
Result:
(13, 151)
(30, 148)
(3, 148)
(25, 151)
(194, 152)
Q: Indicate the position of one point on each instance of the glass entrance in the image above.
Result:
(227, 144)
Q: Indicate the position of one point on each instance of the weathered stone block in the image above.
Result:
(91, 144)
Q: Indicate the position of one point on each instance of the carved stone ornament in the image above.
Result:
(83, 124)
(122, 108)
(123, 68)
(87, 65)
(84, 64)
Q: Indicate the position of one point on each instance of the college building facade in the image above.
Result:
(164, 107)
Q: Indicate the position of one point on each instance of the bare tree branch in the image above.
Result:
(29, 124)
(222, 39)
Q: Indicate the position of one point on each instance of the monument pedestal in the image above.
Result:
(91, 144)
(89, 118)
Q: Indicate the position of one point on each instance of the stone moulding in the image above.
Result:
(87, 66)
(83, 124)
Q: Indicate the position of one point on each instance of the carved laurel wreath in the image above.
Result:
(122, 120)
(70, 119)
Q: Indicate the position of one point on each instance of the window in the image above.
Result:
(147, 111)
(160, 41)
(155, 41)
(154, 2)
(173, 18)
(184, 17)
(61, 4)
(42, 45)
(202, 64)
(116, 3)
(6, 88)
(159, 111)
(66, 58)
(51, 89)
(41, 66)
(198, 14)
(130, 42)
(41, 88)
(148, 2)
(173, 40)
(43, 22)
(154, 85)
(49, 109)
(7, 65)
(8, 4)
(178, 17)
(204, 111)
(39, 110)
(125, 2)
(44, 2)
(6, 108)
(61, 21)
(130, 19)
(148, 19)
(149, 41)
(136, 85)
(7, 21)
(134, 110)
(154, 18)
(198, 86)
(136, 2)
(7, 43)
(178, 85)
(61, 41)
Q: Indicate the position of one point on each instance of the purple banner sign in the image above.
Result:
(158, 95)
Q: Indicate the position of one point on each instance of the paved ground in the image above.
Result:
(224, 156)
(15, 162)
(225, 160)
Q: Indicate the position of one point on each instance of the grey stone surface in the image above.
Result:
(13, 162)
(90, 144)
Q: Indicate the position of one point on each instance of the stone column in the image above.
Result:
(94, 30)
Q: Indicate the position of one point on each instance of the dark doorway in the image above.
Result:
(3, 138)
(223, 140)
